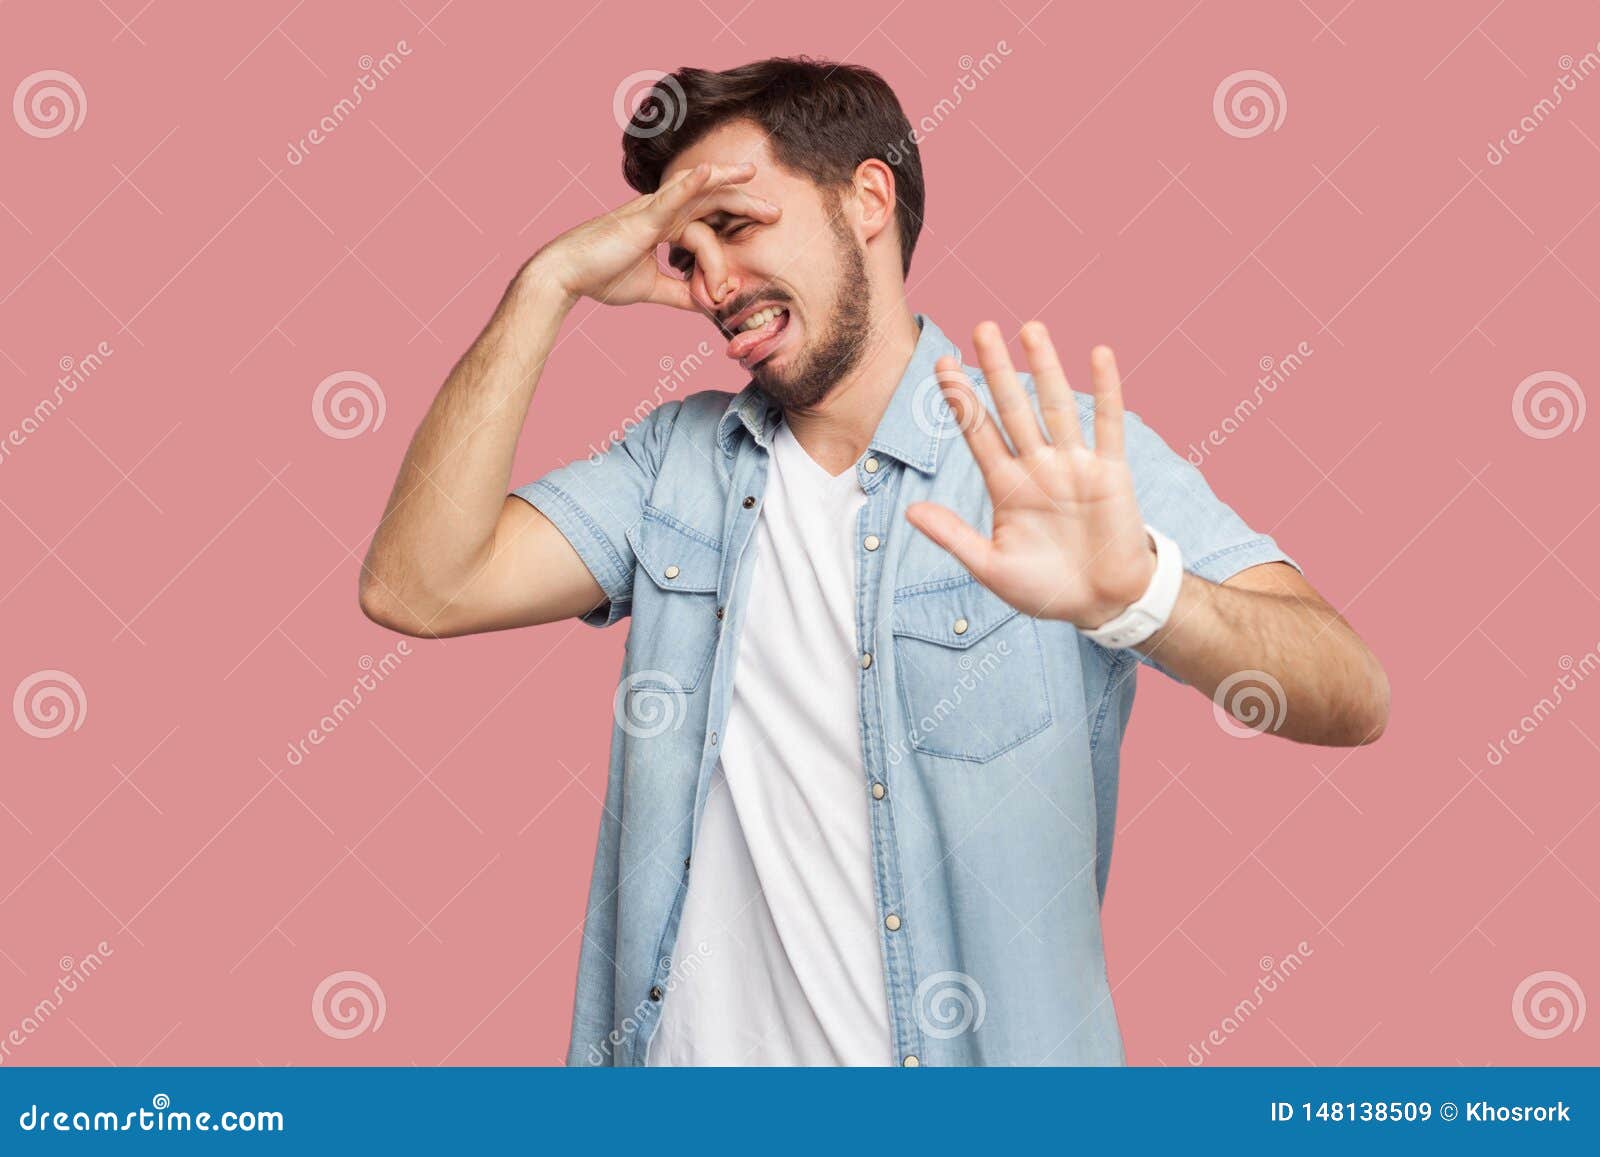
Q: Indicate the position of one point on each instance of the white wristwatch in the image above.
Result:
(1150, 613)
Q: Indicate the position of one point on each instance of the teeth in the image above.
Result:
(760, 318)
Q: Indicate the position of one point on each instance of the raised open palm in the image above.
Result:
(1068, 540)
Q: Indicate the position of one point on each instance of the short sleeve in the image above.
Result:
(1175, 498)
(595, 500)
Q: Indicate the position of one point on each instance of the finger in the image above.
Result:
(729, 203)
(735, 174)
(1107, 402)
(1010, 400)
(1056, 402)
(714, 174)
(677, 189)
(971, 549)
(678, 176)
(672, 291)
(734, 201)
(982, 435)
(710, 271)
(671, 198)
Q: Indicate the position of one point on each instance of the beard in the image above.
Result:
(839, 347)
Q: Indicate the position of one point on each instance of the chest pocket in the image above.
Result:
(971, 673)
(674, 603)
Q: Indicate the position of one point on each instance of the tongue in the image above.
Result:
(747, 340)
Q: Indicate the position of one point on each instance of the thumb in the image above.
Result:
(669, 290)
(947, 528)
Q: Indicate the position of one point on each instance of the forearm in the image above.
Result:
(1334, 691)
(440, 520)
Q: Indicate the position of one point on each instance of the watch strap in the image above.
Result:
(1149, 613)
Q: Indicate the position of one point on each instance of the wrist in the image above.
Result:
(1131, 587)
(543, 279)
(1139, 581)
(1149, 612)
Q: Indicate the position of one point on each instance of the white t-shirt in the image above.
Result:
(778, 959)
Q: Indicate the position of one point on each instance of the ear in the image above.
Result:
(875, 194)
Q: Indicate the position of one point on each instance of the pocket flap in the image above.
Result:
(956, 613)
(675, 556)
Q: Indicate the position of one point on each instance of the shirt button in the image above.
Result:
(866, 660)
(720, 612)
(870, 465)
(655, 992)
(911, 1061)
(749, 501)
(671, 572)
(870, 542)
(961, 626)
(892, 922)
(686, 861)
(713, 739)
(879, 791)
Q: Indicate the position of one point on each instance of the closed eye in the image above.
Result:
(729, 229)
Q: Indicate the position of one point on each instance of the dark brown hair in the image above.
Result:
(823, 120)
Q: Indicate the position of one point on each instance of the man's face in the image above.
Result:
(808, 266)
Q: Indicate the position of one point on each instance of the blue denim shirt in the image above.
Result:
(994, 735)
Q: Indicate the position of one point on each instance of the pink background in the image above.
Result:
(182, 536)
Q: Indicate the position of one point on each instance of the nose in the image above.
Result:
(701, 290)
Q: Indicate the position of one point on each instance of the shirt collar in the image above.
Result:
(913, 429)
